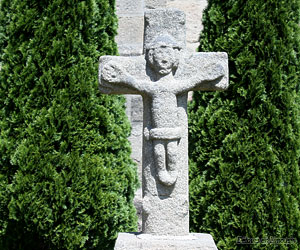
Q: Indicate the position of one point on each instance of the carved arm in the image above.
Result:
(113, 75)
(208, 79)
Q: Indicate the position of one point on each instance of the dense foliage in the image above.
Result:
(66, 177)
(244, 143)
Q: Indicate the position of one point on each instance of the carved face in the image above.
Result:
(163, 59)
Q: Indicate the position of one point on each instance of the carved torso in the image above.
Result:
(164, 110)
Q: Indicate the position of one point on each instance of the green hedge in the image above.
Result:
(66, 177)
(244, 143)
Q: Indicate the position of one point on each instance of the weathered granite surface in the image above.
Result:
(136, 241)
(193, 10)
(163, 76)
(153, 4)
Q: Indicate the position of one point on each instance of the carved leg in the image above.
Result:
(172, 159)
(166, 161)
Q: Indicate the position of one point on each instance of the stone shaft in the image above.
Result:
(163, 77)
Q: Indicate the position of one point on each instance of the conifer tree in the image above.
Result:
(244, 142)
(66, 177)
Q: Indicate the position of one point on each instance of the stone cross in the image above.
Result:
(163, 76)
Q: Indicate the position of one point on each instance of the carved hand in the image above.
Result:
(113, 73)
(214, 71)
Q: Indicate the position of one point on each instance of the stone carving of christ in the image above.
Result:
(162, 58)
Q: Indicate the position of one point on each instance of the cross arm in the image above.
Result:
(206, 71)
(121, 75)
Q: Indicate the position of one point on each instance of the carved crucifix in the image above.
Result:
(163, 76)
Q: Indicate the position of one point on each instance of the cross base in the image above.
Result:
(139, 241)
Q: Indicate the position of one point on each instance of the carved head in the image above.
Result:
(163, 54)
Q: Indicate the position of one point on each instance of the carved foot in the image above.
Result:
(167, 178)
